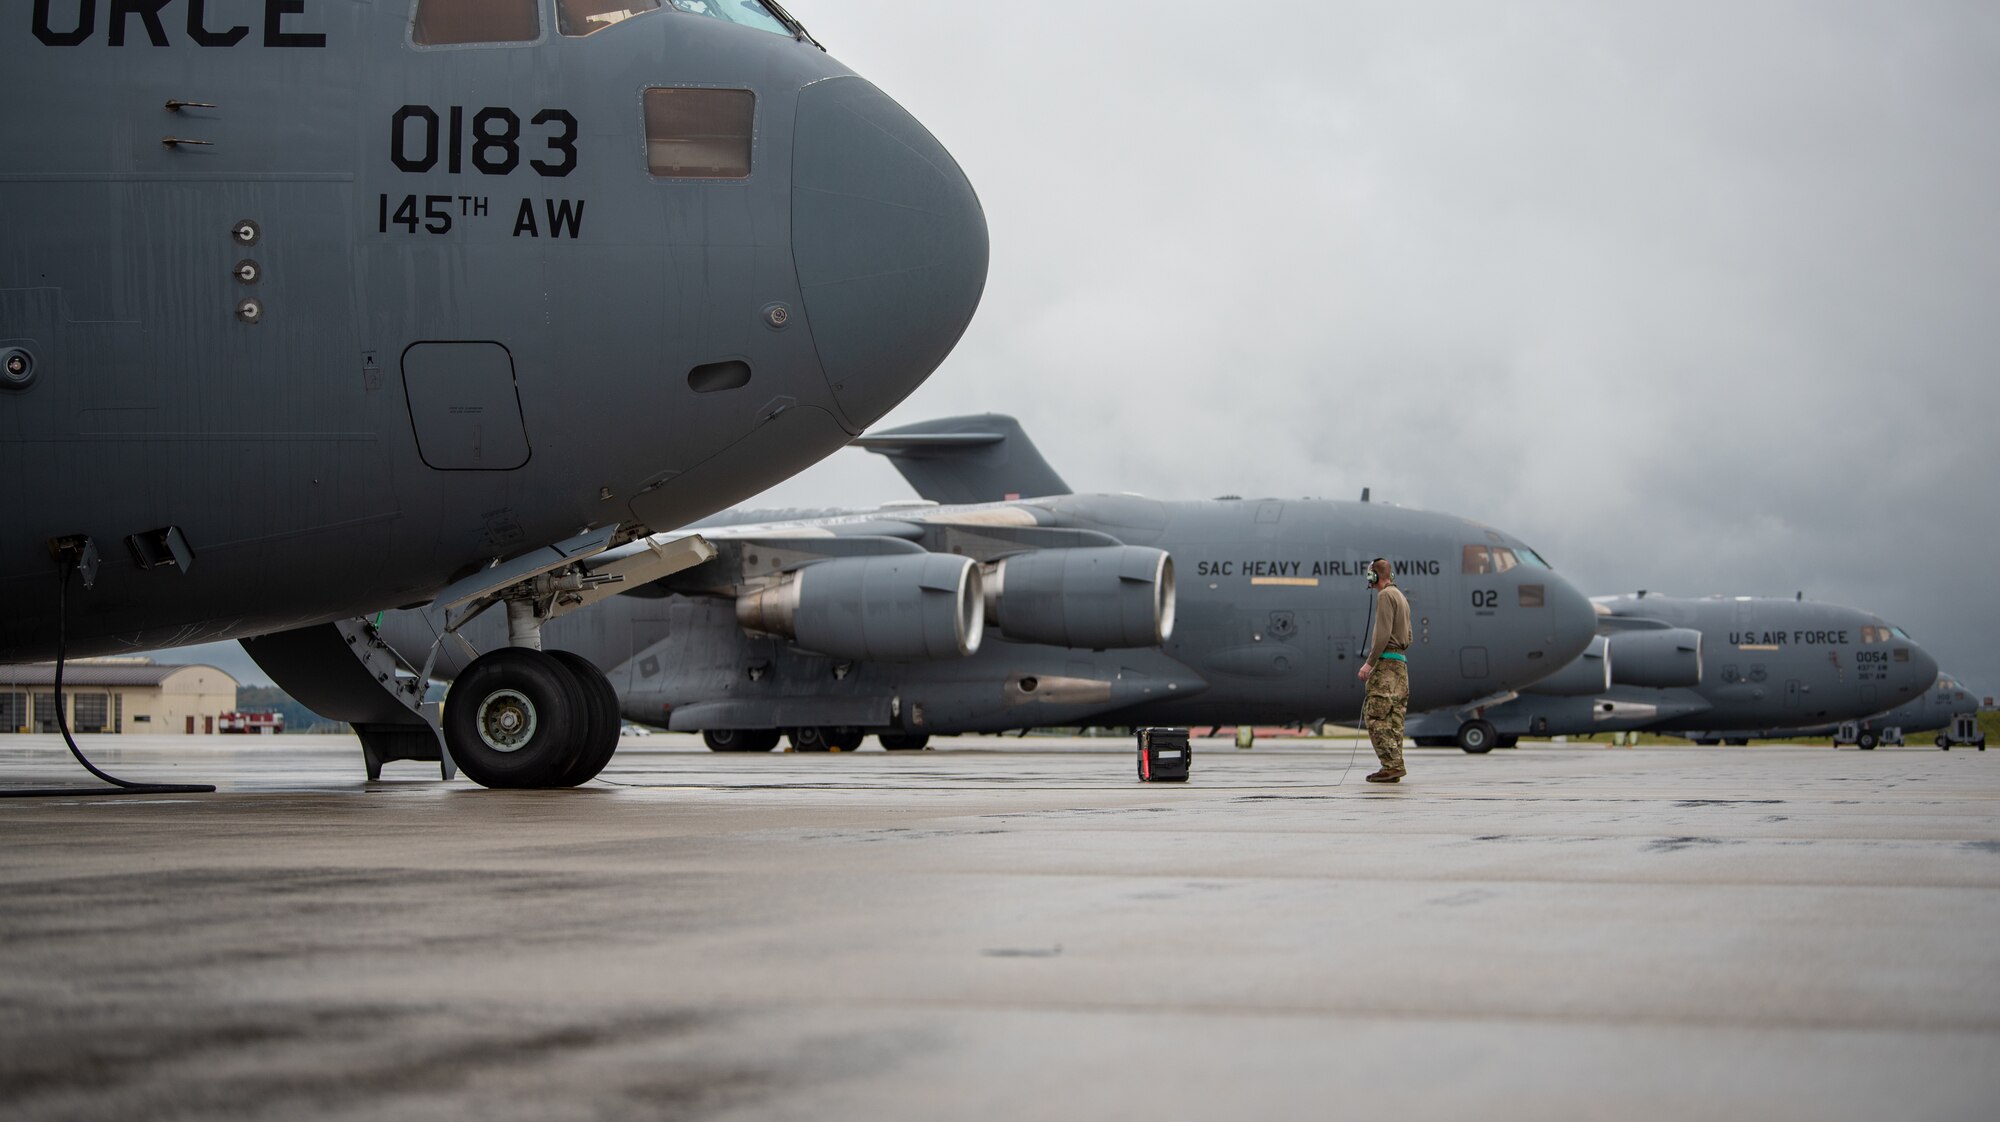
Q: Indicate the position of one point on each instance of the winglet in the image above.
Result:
(982, 458)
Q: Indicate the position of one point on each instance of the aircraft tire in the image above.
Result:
(845, 740)
(903, 741)
(1866, 741)
(1744, 742)
(740, 740)
(516, 718)
(1508, 741)
(1477, 737)
(600, 735)
(811, 739)
(1944, 741)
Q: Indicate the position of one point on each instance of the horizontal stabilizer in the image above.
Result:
(980, 458)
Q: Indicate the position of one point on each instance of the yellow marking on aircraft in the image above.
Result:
(1758, 647)
(1288, 582)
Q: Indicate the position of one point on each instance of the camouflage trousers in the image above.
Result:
(1388, 700)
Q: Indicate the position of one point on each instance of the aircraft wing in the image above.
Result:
(998, 564)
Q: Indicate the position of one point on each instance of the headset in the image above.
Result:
(1374, 576)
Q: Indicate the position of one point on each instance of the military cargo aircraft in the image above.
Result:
(1937, 708)
(1693, 666)
(919, 619)
(313, 308)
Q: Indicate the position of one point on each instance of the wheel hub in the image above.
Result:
(506, 721)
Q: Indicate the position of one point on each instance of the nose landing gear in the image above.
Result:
(1477, 736)
(520, 717)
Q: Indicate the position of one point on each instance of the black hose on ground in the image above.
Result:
(118, 786)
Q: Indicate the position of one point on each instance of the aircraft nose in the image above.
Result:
(1915, 676)
(1572, 621)
(889, 241)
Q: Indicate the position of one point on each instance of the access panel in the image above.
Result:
(464, 406)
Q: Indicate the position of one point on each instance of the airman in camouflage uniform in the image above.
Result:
(1387, 672)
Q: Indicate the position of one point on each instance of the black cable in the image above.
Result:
(118, 786)
(1367, 645)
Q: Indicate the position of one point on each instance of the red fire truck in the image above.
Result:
(265, 724)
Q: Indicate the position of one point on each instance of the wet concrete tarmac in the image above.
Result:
(1005, 929)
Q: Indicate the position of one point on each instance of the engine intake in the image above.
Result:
(1666, 659)
(903, 608)
(1586, 675)
(1096, 597)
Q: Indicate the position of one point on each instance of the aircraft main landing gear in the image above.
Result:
(903, 741)
(519, 718)
(740, 740)
(811, 739)
(1477, 736)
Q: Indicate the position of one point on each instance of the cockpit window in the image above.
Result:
(699, 134)
(1530, 558)
(1901, 634)
(1478, 561)
(447, 22)
(1503, 559)
(577, 18)
(749, 13)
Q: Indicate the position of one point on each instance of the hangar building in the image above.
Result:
(116, 695)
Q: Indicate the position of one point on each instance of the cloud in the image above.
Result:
(1696, 297)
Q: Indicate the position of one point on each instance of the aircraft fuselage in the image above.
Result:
(315, 316)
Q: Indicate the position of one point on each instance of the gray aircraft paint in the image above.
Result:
(235, 349)
(985, 458)
(1272, 613)
(1765, 663)
(1935, 708)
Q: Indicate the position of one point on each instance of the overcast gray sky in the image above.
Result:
(1700, 297)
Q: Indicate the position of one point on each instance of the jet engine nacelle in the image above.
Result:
(902, 608)
(1661, 660)
(1096, 597)
(1587, 675)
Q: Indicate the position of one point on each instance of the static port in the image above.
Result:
(17, 369)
